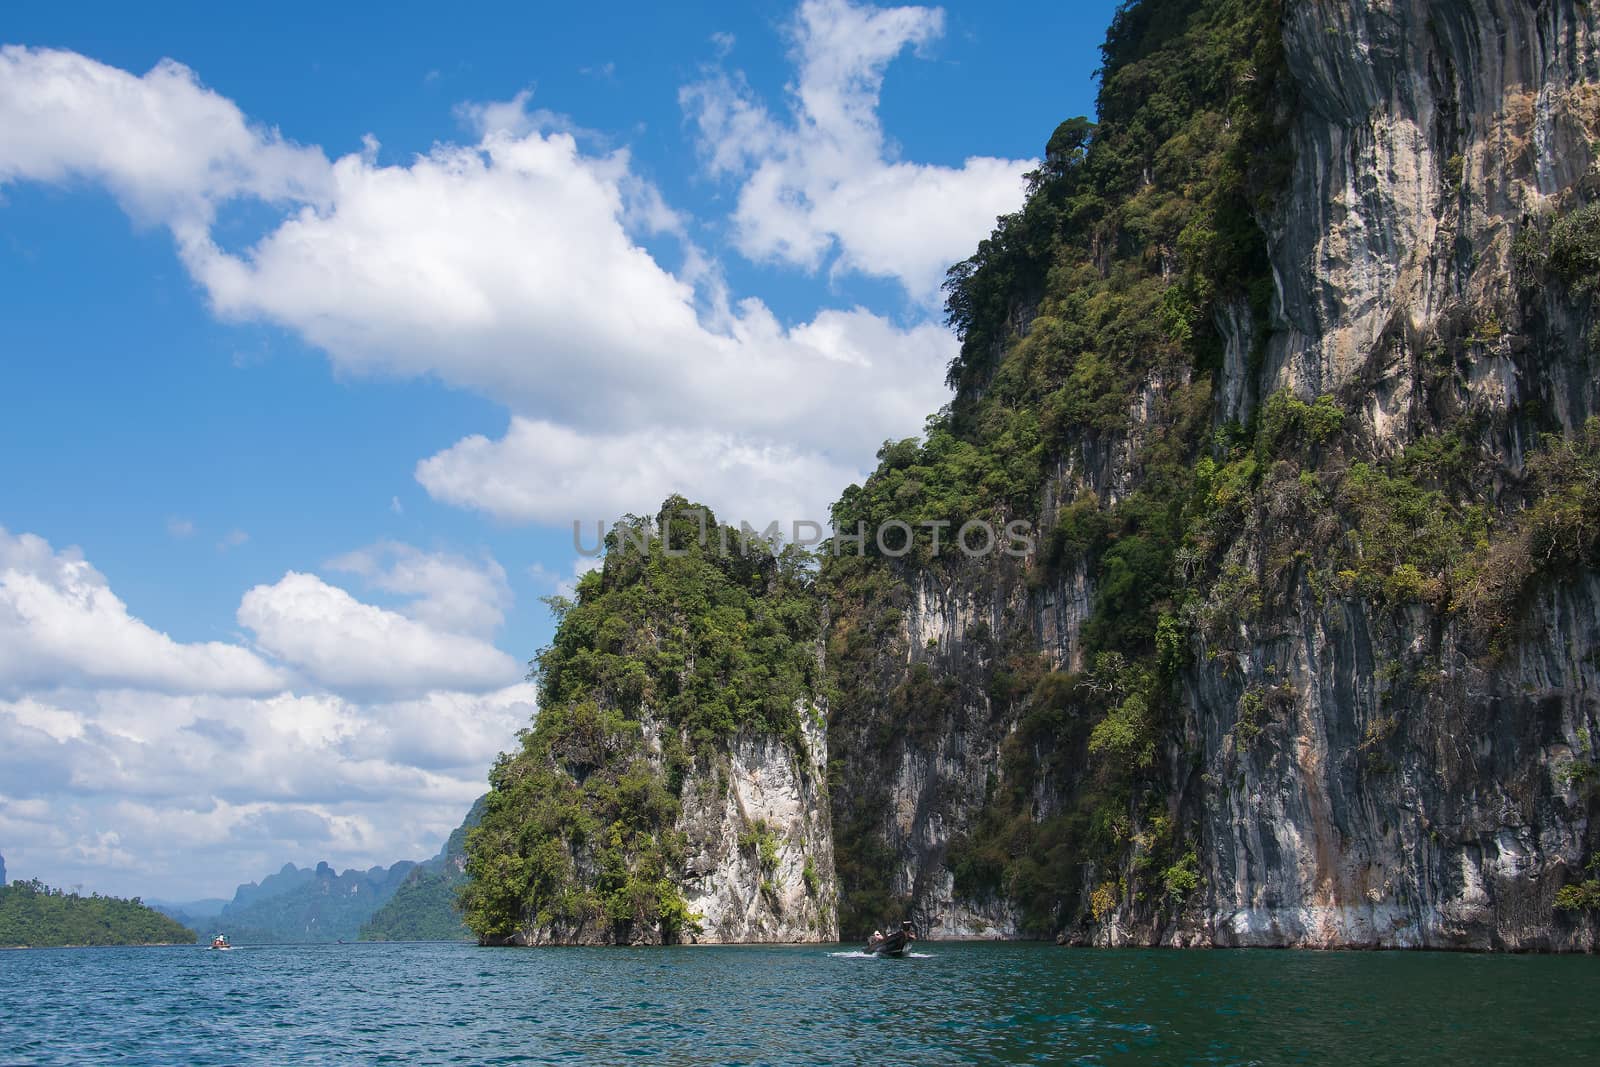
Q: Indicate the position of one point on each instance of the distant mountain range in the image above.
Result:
(423, 907)
(402, 902)
(209, 908)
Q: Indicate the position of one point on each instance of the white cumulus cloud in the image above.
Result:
(342, 643)
(169, 148)
(128, 760)
(449, 592)
(509, 266)
(825, 178)
(233, 787)
(61, 623)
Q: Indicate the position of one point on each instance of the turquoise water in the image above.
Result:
(958, 1003)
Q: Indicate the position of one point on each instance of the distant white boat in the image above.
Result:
(220, 943)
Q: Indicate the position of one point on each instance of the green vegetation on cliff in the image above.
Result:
(32, 915)
(423, 908)
(1092, 340)
(579, 829)
(1138, 232)
(1584, 895)
(1101, 326)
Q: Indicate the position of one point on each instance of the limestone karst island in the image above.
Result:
(801, 534)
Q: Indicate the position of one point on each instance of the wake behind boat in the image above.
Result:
(893, 944)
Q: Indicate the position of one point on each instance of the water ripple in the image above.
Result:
(955, 1003)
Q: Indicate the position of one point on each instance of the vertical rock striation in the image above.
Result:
(1288, 367)
(1380, 811)
(1354, 758)
(758, 842)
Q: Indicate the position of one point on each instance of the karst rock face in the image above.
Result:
(674, 786)
(1291, 366)
(1412, 793)
(1401, 788)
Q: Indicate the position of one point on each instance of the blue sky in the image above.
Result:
(312, 348)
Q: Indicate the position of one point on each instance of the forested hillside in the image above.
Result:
(33, 915)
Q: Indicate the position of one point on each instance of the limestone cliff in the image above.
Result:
(1286, 667)
(1287, 360)
(1412, 792)
(758, 842)
(671, 789)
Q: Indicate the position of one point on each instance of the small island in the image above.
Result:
(33, 915)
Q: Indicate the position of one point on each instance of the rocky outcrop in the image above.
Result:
(674, 786)
(1395, 785)
(1426, 135)
(757, 846)
(760, 845)
(1377, 809)
(1269, 362)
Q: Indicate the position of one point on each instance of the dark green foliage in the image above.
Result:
(1106, 283)
(1454, 170)
(1404, 530)
(1574, 254)
(1183, 877)
(422, 909)
(1557, 532)
(32, 915)
(582, 784)
(704, 640)
(1582, 896)
(759, 840)
(1184, 149)
(711, 641)
(1405, 541)
(1415, 528)
(1081, 529)
(808, 875)
(1285, 419)
(1252, 710)
(945, 480)
(1125, 738)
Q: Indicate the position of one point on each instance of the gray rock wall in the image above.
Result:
(762, 785)
(1405, 791)
(1374, 812)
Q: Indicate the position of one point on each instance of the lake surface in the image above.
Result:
(957, 1003)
